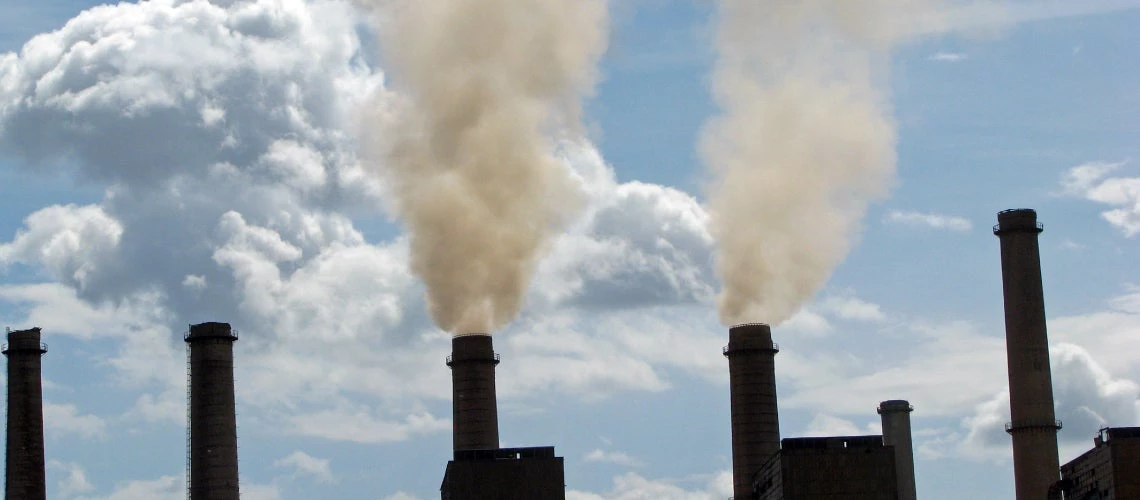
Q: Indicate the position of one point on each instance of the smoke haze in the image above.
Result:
(804, 141)
(486, 86)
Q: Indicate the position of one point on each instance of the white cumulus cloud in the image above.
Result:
(1092, 182)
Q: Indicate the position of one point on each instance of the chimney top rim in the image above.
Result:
(894, 406)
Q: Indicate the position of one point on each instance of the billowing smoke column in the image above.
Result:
(803, 143)
(488, 85)
(24, 473)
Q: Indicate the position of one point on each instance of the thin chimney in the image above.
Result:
(1033, 423)
(896, 432)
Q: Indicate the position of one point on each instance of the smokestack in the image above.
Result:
(896, 432)
(755, 422)
(1033, 424)
(213, 454)
(473, 412)
(24, 458)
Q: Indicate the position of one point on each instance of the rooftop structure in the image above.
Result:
(1111, 470)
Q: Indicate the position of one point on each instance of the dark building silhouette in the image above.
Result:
(480, 470)
(24, 473)
(833, 468)
(755, 420)
(213, 453)
(1033, 424)
(895, 415)
(474, 413)
(1111, 470)
(504, 474)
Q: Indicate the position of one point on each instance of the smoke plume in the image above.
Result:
(804, 141)
(487, 85)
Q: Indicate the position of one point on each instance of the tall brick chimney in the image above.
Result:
(474, 413)
(755, 421)
(213, 454)
(24, 473)
(1033, 423)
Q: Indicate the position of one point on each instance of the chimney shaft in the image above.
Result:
(1033, 423)
(755, 421)
(213, 454)
(474, 414)
(896, 432)
(24, 458)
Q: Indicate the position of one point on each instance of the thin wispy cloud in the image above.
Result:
(928, 220)
(613, 457)
(950, 57)
(987, 15)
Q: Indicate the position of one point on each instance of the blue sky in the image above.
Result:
(149, 185)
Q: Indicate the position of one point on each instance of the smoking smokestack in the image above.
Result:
(896, 432)
(213, 418)
(486, 85)
(473, 411)
(803, 142)
(24, 459)
(755, 421)
(1033, 423)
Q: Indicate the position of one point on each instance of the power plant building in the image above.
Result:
(505, 474)
(835, 468)
(764, 467)
(24, 473)
(1111, 470)
(479, 469)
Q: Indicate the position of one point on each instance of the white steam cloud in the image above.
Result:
(803, 143)
(487, 86)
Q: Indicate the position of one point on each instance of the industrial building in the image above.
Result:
(479, 469)
(838, 467)
(505, 474)
(1111, 470)
(765, 467)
